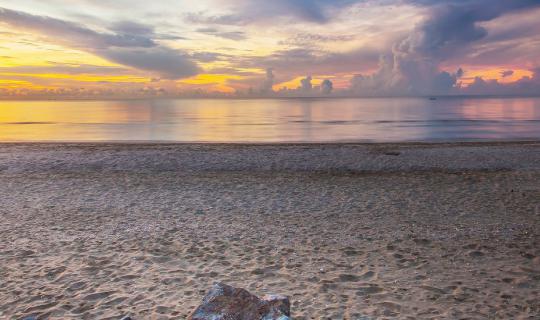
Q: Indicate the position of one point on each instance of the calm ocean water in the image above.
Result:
(277, 120)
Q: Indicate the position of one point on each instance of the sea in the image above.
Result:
(273, 120)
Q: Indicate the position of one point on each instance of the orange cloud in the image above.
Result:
(494, 74)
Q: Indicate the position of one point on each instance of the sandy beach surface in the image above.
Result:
(348, 231)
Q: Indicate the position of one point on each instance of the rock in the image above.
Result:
(127, 318)
(280, 307)
(224, 302)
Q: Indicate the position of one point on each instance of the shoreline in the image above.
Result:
(471, 142)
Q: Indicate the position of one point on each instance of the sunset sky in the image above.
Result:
(127, 48)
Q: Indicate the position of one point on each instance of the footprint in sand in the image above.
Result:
(54, 273)
(98, 295)
(348, 278)
(77, 286)
(423, 242)
(390, 309)
(40, 307)
(476, 254)
(126, 277)
(349, 251)
(369, 290)
(368, 275)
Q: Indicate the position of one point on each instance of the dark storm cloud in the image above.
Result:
(129, 44)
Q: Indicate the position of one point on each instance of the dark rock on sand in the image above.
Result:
(224, 302)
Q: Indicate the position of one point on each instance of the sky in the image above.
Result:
(279, 48)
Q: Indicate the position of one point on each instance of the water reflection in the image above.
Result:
(279, 120)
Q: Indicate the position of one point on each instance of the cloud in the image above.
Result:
(454, 24)
(309, 10)
(66, 68)
(129, 27)
(231, 35)
(225, 19)
(305, 84)
(450, 28)
(205, 56)
(523, 87)
(70, 33)
(248, 11)
(169, 63)
(399, 47)
(129, 44)
(326, 87)
(400, 74)
(507, 73)
(311, 39)
(266, 86)
(291, 62)
(305, 89)
(512, 40)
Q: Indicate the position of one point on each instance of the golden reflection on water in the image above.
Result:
(278, 120)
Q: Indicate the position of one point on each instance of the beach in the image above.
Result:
(348, 231)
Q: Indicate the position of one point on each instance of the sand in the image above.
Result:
(388, 231)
